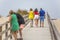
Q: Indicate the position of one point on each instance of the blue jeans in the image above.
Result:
(42, 18)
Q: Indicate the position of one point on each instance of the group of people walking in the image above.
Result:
(36, 15)
(17, 21)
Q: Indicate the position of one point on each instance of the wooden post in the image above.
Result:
(6, 32)
(10, 32)
(0, 31)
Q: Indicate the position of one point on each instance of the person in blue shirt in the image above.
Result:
(42, 16)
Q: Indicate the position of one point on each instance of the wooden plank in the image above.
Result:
(6, 34)
(36, 34)
(0, 31)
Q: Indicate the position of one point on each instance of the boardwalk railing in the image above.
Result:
(54, 33)
(8, 28)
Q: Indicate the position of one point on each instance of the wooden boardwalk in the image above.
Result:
(32, 33)
(37, 33)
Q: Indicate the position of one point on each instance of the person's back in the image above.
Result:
(42, 13)
(14, 18)
(36, 17)
(42, 16)
(36, 12)
(14, 23)
(19, 17)
(31, 15)
(21, 23)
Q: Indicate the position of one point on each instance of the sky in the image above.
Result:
(50, 6)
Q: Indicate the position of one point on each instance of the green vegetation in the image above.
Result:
(22, 12)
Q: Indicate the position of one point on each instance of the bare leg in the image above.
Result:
(42, 24)
(31, 22)
(15, 35)
(21, 28)
(36, 22)
(20, 32)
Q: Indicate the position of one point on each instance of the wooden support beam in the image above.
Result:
(0, 31)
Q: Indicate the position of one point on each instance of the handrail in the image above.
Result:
(54, 33)
(7, 29)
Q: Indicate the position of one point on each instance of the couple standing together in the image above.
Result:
(36, 16)
(17, 24)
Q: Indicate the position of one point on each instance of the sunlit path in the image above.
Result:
(32, 33)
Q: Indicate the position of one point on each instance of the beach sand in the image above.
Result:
(57, 24)
(3, 20)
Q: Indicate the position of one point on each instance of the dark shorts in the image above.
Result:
(21, 22)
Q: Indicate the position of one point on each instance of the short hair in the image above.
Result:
(31, 9)
(40, 8)
(11, 12)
